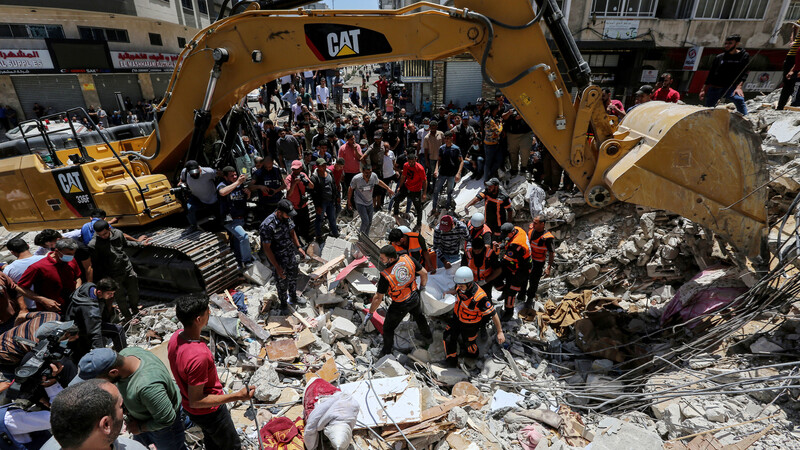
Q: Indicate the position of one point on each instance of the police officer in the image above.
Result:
(541, 245)
(407, 242)
(280, 244)
(483, 262)
(477, 228)
(497, 206)
(516, 264)
(470, 312)
(399, 281)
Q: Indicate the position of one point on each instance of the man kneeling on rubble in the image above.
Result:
(472, 309)
(399, 281)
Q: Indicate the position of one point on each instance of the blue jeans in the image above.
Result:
(366, 212)
(194, 207)
(452, 259)
(440, 183)
(494, 158)
(239, 241)
(477, 169)
(328, 209)
(714, 94)
(308, 83)
(170, 437)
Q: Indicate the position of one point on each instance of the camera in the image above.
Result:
(28, 376)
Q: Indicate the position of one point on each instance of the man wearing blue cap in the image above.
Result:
(149, 393)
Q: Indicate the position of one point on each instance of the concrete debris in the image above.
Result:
(267, 383)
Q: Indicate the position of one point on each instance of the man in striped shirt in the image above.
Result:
(448, 240)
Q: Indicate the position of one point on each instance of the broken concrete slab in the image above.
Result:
(502, 399)
(763, 345)
(448, 375)
(360, 285)
(336, 247)
(389, 366)
(342, 327)
(381, 398)
(266, 381)
(305, 338)
(282, 350)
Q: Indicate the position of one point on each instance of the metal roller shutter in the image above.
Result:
(462, 82)
(160, 83)
(106, 85)
(59, 92)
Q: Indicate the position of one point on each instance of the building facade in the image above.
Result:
(86, 54)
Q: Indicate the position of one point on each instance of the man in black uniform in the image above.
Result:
(399, 281)
(497, 209)
(541, 245)
(281, 246)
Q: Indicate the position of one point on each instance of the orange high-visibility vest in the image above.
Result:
(520, 239)
(482, 272)
(402, 279)
(538, 247)
(466, 308)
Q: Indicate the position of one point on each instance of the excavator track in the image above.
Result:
(179, 261)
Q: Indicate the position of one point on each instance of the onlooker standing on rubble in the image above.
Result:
(90, 308)
(297, 183)
(326, 194)
(195, 372)
(203, 191)
(51, 280)
(107, 248)
(727, 75)
(431, 143)
(519, 135)
(88, 416)
(788, 64)
(233, 200)
(542, 248)
(149, 393)
(338, 91)
(492, 127)
(497, 208)
(383, 88)
(268, 180)
(447, 172)
(288, 149)
(308, 80)
(470, 312)
(399, 281)
(449, 237)
(665, 93)
(516, 264)
(323, 93)
(363, 187)
(281, 246)
(352, 155)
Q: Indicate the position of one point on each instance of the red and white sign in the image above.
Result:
(141, 60)
(692, 60)
(25, 59)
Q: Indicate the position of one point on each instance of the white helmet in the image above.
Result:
(477, 220)
(404, 229)
(464, 275)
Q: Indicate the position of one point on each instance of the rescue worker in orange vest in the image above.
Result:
(541, 246)
(477, 228)
(399, 281)
(470, 311)
(516, 262)
(407, 242)
(497, 208)
(483, 262)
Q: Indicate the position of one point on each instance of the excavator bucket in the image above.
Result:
(704, 164)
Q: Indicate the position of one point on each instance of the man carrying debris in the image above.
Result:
(361, 193)
(516, 264)
(541, 245)
(399, 281)
(195, 372)
(407, 242)
(280, 244)
(483, 262)
(471, 309)
(448, 240)
(497, 208)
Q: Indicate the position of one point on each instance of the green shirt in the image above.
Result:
(150, 395)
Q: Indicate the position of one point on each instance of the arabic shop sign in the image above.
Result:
(143, 61)
(24, 60)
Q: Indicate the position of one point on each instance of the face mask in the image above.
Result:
(67, 258)
(475, 147)
(426, 126)
(63, 344)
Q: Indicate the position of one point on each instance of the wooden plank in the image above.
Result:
(323, 270)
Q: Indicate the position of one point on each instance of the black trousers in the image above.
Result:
(537, 268)
(414, 197)
(303, 222)
(461, 334)
(396, 313)
(513, 284)
(788, 85)
(219, 433)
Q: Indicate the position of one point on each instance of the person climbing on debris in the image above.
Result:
(542, 248)
(497, 208)
(483, 262)
(407, 242)
(399, 281)
(516, 263)
(477, 228)
(473, 306)
(280, 244)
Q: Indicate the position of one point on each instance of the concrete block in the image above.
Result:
(590, 272)
(258, 273)
(265, 379)
(447, 375)
(324, 295)
(341, 312)
(335, 247)
(389, 366)
(342, 327)
(627, 436)
(359, 284)
(762, 345)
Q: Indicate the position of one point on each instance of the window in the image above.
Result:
(187, 4)
(155, 39)
(676, 9)
(181, 42)
(202, 6)
(103, 34)
(624, 8)
(602, 60)
(22, 31)
(793, 13)
(731, 9)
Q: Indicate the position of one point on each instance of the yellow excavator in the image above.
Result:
(704, 164)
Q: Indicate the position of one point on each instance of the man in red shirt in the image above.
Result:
(54, 278)
(351, 153)
(665, 93)
(192, 365)
(383, 88)
(412, 184)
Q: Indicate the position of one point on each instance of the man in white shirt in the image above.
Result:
(308, 80)
(323, 93)
(22, 252)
